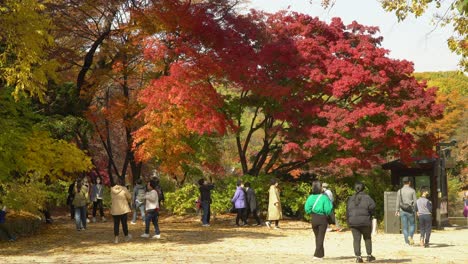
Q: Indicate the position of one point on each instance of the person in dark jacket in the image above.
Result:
(205, 198)
(359, 210)
(3, 226)
(251, 203)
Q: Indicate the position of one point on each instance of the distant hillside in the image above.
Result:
(446, 81)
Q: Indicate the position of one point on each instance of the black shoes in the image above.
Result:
(359, 260)
(370, 258)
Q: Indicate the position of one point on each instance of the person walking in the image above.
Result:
(120, 197)
(330, 196)
(239, 203)
(80, 202)
(138, 201)
(3, 227)
(274, 205)
(424, 213)
(251, 203)
(359, 211)
(205, 198)
(70, 197)
(152, 210)
(97, 194)
(405, 206)
(319, 207)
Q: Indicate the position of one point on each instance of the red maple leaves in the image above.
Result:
(329, 88)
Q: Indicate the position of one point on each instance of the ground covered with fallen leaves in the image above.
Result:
(184, 240)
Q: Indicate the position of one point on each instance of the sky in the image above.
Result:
(414, 39)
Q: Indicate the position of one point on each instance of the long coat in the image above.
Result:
(274, 211)
(251, 200)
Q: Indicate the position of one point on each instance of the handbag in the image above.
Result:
(233, 209)
(405, 207)
(465, 211)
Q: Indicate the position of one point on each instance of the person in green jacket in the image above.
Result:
(319, 207)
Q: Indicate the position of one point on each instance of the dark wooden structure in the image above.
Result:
(424, 172)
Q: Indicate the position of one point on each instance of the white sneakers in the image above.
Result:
(133, 223)
(116, 240)
(128, 238)
(148, 235)
(268, 224)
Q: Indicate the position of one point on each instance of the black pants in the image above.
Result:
(241, 215)
(123, 220)
(358, 232)
(319, 226)
(425, 227)
(72, 211)
(4, 228)
(96, 205)
(254, 214)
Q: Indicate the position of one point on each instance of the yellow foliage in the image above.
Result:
(55, 159)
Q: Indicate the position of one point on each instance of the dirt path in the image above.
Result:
(183, 240)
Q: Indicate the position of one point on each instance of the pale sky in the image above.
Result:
(411, 39)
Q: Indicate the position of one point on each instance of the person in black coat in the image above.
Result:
(205, 198)
(251, 203)
(359, 210)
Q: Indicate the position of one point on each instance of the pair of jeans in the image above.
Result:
(365, 232)
(206, 212)
(319, 226)
(80, 217)
(425, 227)
(152, 217)
(98, 204)
(407, 225)
(120, 219)
(254, 214)
(241, 215)
(140, 207)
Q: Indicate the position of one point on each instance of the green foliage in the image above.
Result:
(182, 201)
(455, 203)
(30, 196)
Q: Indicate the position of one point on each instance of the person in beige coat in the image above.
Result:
(274, 205)
(121, 198)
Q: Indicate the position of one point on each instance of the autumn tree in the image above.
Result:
(321, 94)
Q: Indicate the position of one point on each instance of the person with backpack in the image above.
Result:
(80, 202)
(251, 203)
(239, 203)
(152, 210)
(138, 200)
(405, 207)
(359, 211)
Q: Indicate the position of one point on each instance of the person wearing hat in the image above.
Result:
(239, 203)
(329, 193)
(405, 208)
